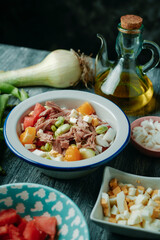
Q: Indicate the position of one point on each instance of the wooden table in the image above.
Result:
(82, 191)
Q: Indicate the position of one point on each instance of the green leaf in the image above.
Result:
(23, 95)
(3, 102)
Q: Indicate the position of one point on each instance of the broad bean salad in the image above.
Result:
(62, 134)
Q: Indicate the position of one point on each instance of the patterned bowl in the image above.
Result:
(31, 200)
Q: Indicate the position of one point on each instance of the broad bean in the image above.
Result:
(101, 129)
(60, 121)
(62, 129)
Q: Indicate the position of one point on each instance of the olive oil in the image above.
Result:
(132, 92)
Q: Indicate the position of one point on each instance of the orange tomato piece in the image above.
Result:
(28, 136)
(72, 154)
(95, 122)
(86, 109)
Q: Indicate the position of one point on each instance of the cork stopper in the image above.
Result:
(131, 22)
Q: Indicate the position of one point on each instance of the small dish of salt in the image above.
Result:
(145, 135)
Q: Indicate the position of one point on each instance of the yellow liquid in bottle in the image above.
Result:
(131, 94)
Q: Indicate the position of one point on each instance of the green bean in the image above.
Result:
(101, 129)
(62, 129)
(9, 89)
(60, 121)
(53, 128)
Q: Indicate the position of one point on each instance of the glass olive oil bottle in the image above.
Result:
(125, 82)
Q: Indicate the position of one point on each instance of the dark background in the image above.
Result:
(51, 24)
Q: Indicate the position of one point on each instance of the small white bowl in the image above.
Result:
(104, 108)
(97, 214)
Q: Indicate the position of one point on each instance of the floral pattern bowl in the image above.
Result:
(31, 200)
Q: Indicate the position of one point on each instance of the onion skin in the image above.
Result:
(60, 69)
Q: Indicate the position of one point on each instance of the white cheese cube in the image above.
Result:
(151, 202)
(156, 197)
(109, 135)
(100, 141)
(131, 197)
(132, 191)
(113, 201)
(120, 217)
(59, 158)
(114, 210)
(137, 225)
(141, 199)
(74, 113)
(105, 196)
(99, 148)
(40, 131)
(31, 113)
(121, 184)
(122, 222)
(146, 213)
(30, 146)
(87, 118)
(156, 224)
(39, 153)
(51, 157)
(55, 156)
(147, 225)
(73, 120)
(126, 214)
(140, 191)
(22, 126)
(149, 190)
(136, 207)
(135, 218)
(105, 219)
(47, 107)
(128, 185)
(147, 194)
(120, 201)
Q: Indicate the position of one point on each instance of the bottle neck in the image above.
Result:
(129, 43)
